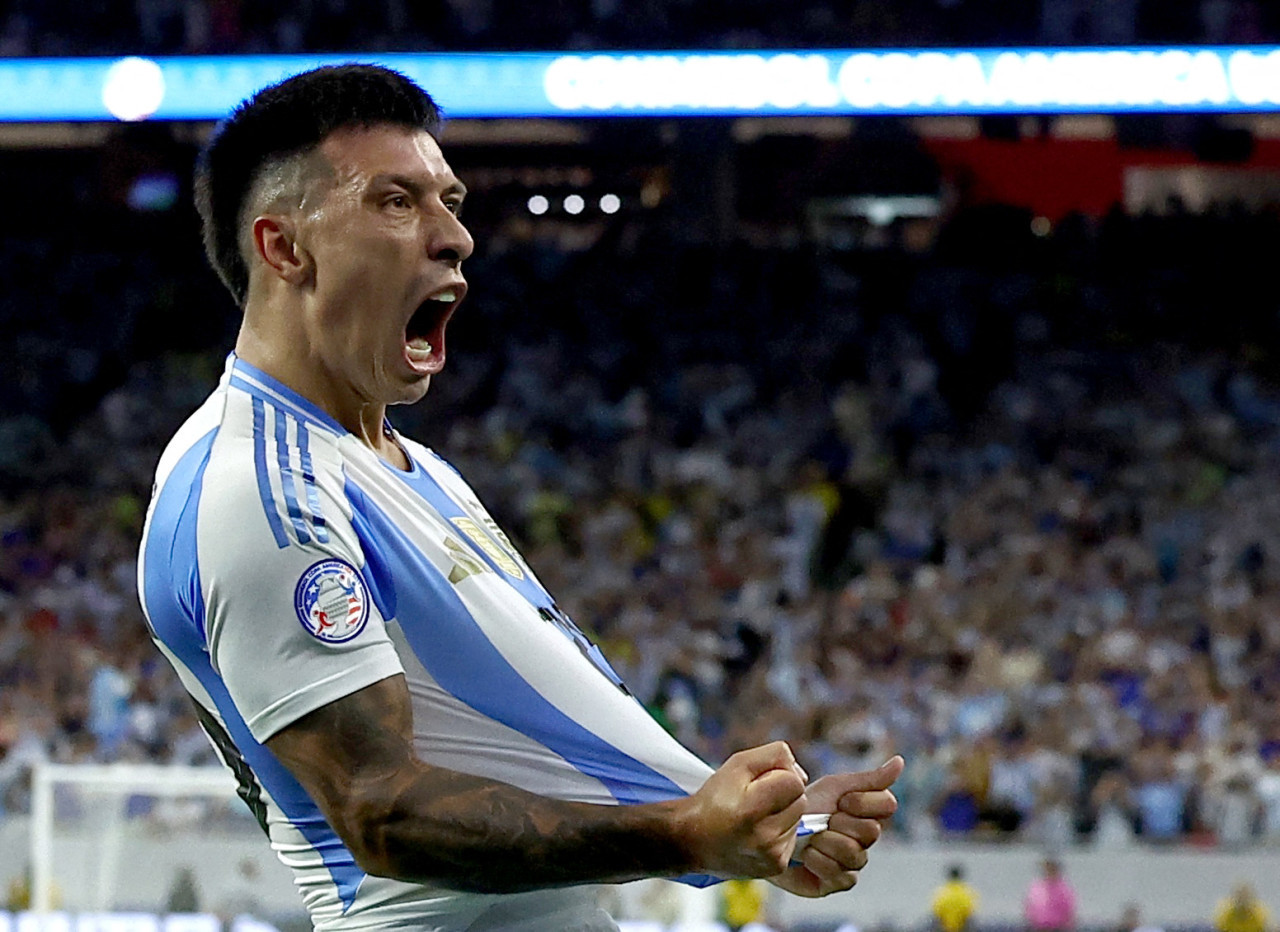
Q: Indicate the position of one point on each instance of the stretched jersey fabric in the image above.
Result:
(285, 565)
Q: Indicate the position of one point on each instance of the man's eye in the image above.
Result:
(399, 201)
(455, 206)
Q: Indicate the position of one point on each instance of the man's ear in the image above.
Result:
(275, 242)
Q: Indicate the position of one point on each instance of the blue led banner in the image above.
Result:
(540, 84)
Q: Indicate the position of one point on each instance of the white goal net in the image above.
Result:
(121, 839)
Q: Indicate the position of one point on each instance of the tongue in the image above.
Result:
(424, 338)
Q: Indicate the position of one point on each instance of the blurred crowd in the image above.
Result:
(1009, 506)
(113, 27)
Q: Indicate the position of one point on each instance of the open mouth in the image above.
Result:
(424, 334)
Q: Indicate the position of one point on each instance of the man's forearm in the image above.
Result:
(405, 819)
(475, 834)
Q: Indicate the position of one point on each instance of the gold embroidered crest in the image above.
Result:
(495, 551)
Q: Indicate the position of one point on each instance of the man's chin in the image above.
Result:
(412, 393)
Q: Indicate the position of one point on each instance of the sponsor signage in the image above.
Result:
(706, 83)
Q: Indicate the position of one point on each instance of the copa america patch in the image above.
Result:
(332, 601)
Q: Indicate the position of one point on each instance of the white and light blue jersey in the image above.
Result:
(285, 565)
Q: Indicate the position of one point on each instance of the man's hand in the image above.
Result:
(859, 803)
(742, 822)
(404, 818)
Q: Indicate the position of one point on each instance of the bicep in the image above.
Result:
(353, 755)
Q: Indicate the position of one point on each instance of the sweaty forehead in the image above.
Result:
(359, 153)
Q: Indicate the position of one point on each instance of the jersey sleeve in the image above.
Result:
(290, 619)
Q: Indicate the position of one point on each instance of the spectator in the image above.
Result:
(1161, 797)
(1268, 789)
(1111, 803)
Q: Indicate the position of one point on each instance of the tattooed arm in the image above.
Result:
(403, 818)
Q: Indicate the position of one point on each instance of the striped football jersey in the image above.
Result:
(285, 565)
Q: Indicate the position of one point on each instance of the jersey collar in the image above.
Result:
(250, 378)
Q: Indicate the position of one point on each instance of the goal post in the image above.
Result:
(98, 796)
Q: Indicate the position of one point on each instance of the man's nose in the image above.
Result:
(452, 242)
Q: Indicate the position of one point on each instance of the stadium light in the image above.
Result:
(574, 204)
(610, 203)
(538, 205)
(696, 83)
(133, 89)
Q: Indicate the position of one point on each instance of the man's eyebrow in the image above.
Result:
(415, 187)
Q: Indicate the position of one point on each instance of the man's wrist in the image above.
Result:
(676, 824)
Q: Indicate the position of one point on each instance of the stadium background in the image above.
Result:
(953, 436)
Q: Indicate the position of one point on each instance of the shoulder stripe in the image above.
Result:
(299, 408)
(265, 394)
(264, 479)
(278, 473)
(286, 477)
(319, 525)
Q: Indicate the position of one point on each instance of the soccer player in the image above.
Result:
(428, 741)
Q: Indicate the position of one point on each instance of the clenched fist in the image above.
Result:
(859, 804)
(742, 822)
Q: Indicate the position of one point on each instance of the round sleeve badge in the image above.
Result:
(332, 601)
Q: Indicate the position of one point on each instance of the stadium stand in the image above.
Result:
(1010, 511)
(108, 27)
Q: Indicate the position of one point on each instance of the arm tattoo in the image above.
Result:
(410, 820)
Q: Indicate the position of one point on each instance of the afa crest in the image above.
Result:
(332, 601)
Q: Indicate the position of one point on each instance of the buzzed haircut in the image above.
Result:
(285, 120)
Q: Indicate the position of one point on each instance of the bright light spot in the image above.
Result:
(610, 203)
(133, 89)
(881, 213)
(1041, 226)
(538, 204)
(573, 204)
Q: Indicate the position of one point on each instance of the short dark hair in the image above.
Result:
(284, 120)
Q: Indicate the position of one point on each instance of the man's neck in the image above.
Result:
(365, 420)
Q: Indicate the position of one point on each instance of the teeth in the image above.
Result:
(448, 297)
(420, 348)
